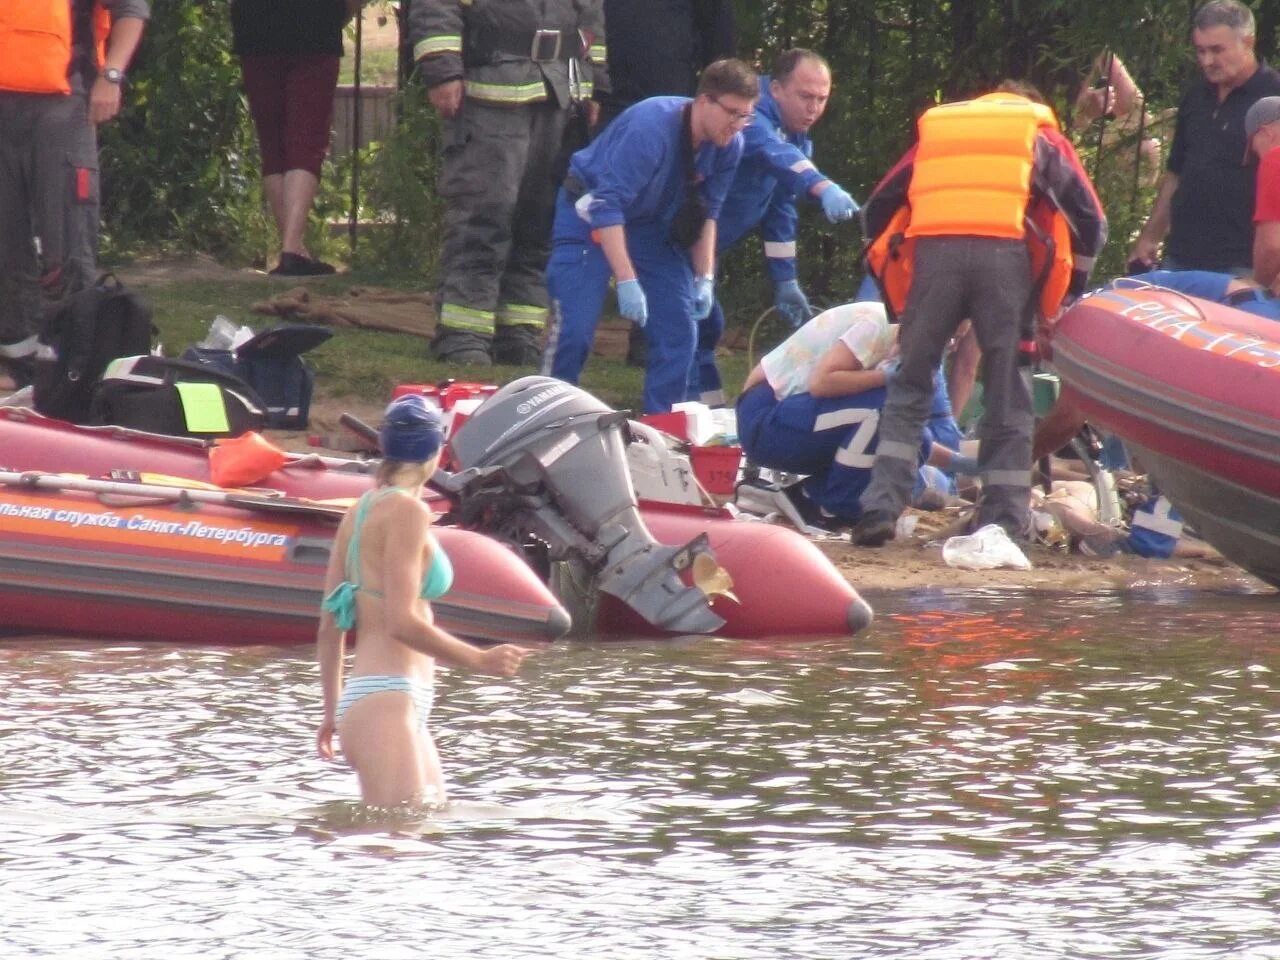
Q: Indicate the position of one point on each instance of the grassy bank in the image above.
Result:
(362, 365)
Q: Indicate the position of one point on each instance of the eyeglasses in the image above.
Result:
(742, 117)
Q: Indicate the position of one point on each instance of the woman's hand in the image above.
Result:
(324, 738)
(501, 661)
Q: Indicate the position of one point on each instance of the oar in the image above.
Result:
(36, 480)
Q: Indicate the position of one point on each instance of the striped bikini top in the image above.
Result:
(341, 601)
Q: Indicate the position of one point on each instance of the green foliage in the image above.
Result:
(398, 200)
(180, 168)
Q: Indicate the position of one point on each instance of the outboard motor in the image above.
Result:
(542, 458)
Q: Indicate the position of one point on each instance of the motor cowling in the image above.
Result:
(546, 459)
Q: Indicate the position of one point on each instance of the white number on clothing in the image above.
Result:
(853, 452)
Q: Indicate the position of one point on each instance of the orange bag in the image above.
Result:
(244, 460)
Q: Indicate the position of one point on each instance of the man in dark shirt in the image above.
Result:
(1206, 196)
(658, 48)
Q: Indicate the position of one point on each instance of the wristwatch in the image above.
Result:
(112, 75)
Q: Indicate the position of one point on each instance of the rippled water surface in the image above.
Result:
(976, 777)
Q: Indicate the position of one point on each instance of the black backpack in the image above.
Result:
(177, 398)
(81, 334)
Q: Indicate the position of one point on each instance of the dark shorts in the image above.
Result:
(291, 100)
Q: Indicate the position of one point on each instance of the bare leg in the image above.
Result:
(382, 741)
(297, 195)
(432, 774)
(273, 189)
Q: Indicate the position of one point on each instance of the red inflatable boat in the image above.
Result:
(86, 579)
(87, 558)
(1193, 388)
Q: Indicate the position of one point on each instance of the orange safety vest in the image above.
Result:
(35, 44)
(971, 176)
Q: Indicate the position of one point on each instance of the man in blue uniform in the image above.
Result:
(775, 170)
(812, 406)
(640, 204)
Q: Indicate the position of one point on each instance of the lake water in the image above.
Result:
(978, 776)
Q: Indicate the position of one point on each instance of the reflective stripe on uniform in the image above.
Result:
(1007, 478)
(525, 313)
(898, 451)
(780, 250)
(801, 166)
(507, 92)
(466, 318)
(598, 53)
(444, 43)
(1158, 518)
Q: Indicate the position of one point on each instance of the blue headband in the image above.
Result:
(411, 430)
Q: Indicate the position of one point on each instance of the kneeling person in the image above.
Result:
(812, 406)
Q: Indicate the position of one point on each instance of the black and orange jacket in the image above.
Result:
(36, 38)
(997, 166)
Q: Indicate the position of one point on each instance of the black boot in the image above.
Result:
(451, 345)
(518, 344)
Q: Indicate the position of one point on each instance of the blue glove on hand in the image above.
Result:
(837, 204)
(792, 303)
(889, 368)
(962, 464)
(631, 302)
(703, 297)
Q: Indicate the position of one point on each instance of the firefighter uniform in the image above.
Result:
(991, 217)
(50, 55)
(522, 64)
(634, 174)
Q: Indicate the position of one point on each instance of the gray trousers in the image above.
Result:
(49, 190)
(495, 180)
(988, 281)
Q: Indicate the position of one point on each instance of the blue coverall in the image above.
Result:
(775, 169)
(832, 439)
(634, 175)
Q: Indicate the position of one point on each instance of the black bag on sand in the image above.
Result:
(177, 398)
(81, 334)
(271, 363)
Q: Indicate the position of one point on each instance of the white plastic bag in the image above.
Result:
(989, 547)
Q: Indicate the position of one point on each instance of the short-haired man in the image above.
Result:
(1255, 294)
(1262, 127)
(1205, 200)
(640, 205)
(775, 170)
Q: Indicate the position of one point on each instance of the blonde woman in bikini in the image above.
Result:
(385, 569)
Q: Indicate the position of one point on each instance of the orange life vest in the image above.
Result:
(971, 176)
(35, 44)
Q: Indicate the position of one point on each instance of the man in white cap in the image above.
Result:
(1262, 127)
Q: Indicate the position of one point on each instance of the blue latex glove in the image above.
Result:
(703, 297)
(631, 302)
(962, 464)
(791, 302)
(837, 204)
(889, 368)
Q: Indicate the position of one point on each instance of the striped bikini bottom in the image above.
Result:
(357, 687)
